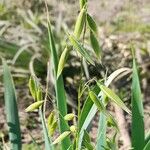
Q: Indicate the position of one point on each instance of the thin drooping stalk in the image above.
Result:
(48, 143)
(11, 109)
(59, 88)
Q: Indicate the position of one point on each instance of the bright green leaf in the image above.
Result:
(11, 109)
(137, 112)
(108, 92)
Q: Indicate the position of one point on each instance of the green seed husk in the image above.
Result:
(69, 117)
(73, 128)
(34, 106)
(80, 23)
(32, 87)
(61, 137)
(62, 61)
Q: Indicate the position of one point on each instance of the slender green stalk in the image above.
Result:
(48, 143)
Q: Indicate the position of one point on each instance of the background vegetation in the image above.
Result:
(24, 43)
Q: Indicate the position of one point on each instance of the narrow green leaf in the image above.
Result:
(147, 146)
(11, 109)
(147, 137)
(87, 141)
(91, 23)
(62, 137)
(108, 92)
(137, 112)
(62, 61)
(34, 106)
(86, 136)
(47, 140)
(80, 23)
(81, 49)
(59, 89)
(95, 44)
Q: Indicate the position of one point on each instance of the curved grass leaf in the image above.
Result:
(108, 92)
(11, 109)
(147, 146)
(147, 137)
(137, 112)
(81, 49)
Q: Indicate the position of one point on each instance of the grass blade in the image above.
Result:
(147, 137)
(59, 88)
(147, 146)
(137, 112)
(108, 92)
(86, 108)
(11, 109)
(48, 143)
